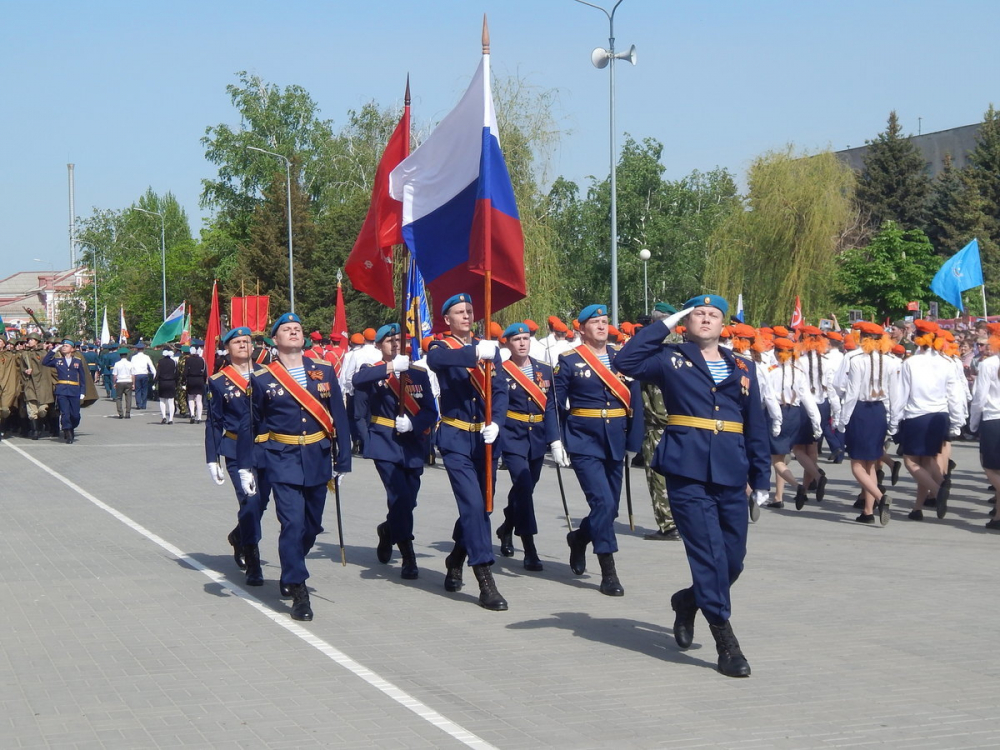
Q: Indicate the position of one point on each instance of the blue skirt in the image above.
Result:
(989, 444)
(805, 436)
(866, 431)
(923, 435)
(791, 417)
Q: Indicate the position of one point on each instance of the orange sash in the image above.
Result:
(610, 379)
(308, 401)
(522, 380)
(409, 403)
(235, 377)
(476, 374)
(262, 356)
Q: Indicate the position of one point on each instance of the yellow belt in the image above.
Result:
(384, 421)
(462, 425)
(68, 382)
(530, 418)
(597, 413)
(297, 439)
(715, 425)
(259, 439)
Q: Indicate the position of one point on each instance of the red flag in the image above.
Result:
(797, 321)
(250, 311)
(338, 331)
(369, 266)
(213, 330)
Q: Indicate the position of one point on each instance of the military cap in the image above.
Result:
(708, 300)
(288, 317)
(234, 332)
(516, 329)
(454, 300)
(663, 307)
(389, 329)
(369, 334)
(590, 312)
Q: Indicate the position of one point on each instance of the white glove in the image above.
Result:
(559, 454)
(338, 477)
(490, 432)
(676, 318)
(400, 363)
(487, 349)
(955, 431)
(403, 424)
(817, 434)
(761, 497)
(81, 397)
(891, 432)
(775, 429)
(248, 482)
(216, 472)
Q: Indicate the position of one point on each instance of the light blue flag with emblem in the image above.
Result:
(961, 271)
(418, 314)
(739, 308)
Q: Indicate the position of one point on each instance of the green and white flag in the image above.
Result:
(171, 327)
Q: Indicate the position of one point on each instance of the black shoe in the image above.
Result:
(531, 561)
(577, 553)
(638, 461)
(120, 416)
(800, 497)
(70, 436)
(238, 556)
(505, 533)
(821, 487)
(664, 536)
(880, 476)
(951, 466)
(732, 662)
(163, 421)
(384, 549)
(860, 502)
(883, 509)
(286, 590)
(915, 515)
(683, 605)
(896, 466)
(812, 486)
(489, 597)
(300, 602)
(838, 457)
(866, 518)
(993, 525)
(129, 416)
(255, 576)
(454, 563)
(779, 504)
(409, 571)
(992, 500)
(754, 509)
(610, 585)
(192, 420)
(942, 498)
(930, 502)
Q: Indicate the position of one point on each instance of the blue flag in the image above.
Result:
(961, 271)
(418, 316)
(739, 308)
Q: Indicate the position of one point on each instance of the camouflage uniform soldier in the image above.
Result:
(37, 387)
(181, 393)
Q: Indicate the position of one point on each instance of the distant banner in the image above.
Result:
(250, 312)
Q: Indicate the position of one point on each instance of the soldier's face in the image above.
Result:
(704, 324)
(65, 350)
(460, 318)
(389, 347)
(519, 345)
(239, 347)
(595, 331)
(289, 336)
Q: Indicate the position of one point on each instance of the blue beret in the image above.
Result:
(68, 341)
(663, 307)
(234, 332)
(389, 329)
(591, 311)
(286, 318)
(199, 342)
(708, 300)
(140, 345)
(454, 300)
(516, 329)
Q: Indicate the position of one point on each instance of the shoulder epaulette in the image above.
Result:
(323, 362)
(217, 375)
(261, 372)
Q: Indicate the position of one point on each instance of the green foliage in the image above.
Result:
(894, 185)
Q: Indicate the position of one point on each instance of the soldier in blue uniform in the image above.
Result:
(297, 402)
(714, 445)
(227, 405)
(71, 386)
(603, 423)
(394, 440)
(530, 427)
(106, 363)
(462, 438)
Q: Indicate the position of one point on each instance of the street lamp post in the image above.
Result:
(163, 253)
(644, 256)
(606, 58)
(288, 193)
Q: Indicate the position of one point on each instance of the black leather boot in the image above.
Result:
(234, 539)
(72, 434)
(286, 590)
(531, 561)
(33, 430)
(505, 533)
(577, 552)
(300, 602)
(384, 549)
(409, 571)
(454, 563)
(732, 662)
(682, 603)
(489, 597)
(610, 585)
(255, 576)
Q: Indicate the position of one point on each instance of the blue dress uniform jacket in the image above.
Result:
(71, 384)
(384, 443)
(679, 370)
(527, 439)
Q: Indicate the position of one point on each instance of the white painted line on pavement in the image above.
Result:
(379, 683)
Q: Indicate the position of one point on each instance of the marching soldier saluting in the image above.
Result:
(604, 421)
(297, 402)
(715, 443)
(462, 438)
(227, 406)
(71, 386)
(394, 440)
(531, 425)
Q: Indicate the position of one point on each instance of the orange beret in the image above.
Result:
(558, 326)
(612, 331)
(426, 342)
(946, 334)
(369, 334)
(743, 331)
(495, 330)
(571, 335)
(780, 331)
(726, 333)
(926, 326)
(811, 331)
(532, 325)
(834, 336)
(872, 329)
(856, 325)
(357, 338)
(627, 328)
(784, 344)
(576, 324)
(898, 349)
(553, 320)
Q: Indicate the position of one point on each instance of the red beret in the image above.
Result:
(316, 336)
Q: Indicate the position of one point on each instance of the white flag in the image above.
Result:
(105, 333)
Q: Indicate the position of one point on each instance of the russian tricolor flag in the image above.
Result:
(459, 215)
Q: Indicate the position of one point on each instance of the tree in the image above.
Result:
(895, 268)
(894, 184)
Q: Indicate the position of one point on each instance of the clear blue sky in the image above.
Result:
(125, 90)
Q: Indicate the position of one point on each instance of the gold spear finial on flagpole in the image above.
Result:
(486, 36)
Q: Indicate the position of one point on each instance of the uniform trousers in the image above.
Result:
(69, 411)
(467, 475)
(141, 383)
(300, 513)
(601, 481)
(401, 488)
(712, 520)
(520, 510)
(834, 439)
(109, 385)
(251, 507)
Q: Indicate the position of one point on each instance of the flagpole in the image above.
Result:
(404, 263)
(985, 314)
(488, 297)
